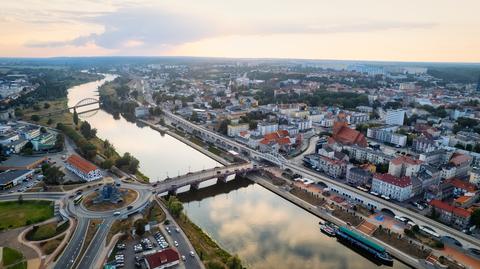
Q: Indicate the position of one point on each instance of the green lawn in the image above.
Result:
(46, 231)
(14, 214)
(12, 256)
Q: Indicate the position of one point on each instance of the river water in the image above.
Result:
(262, 228)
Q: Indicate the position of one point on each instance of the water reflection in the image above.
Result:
(159, 156)
(269, 232)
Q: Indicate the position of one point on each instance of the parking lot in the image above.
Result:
(24, 185)
(129, 254)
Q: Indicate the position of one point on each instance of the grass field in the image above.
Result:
(13, 258)
(128, 198)
(46, 231)
(50, 246)
(14, 214)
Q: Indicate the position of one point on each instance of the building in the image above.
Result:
(387, 135)
(423, 144)
(235, 129)
(267, 127)
(395, 117)
(141, 112)
(357, 176)
(475, 176)
(344, 135)
(332, 167)
(12, 178)
(368, 155)
(83, 168)
(163, 259)
(451, 215)
(398, 188)
(404, 166)
(44, 141)
(17, 162)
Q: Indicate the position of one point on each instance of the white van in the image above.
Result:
(116, 213)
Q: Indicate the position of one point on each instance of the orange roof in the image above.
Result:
(81, 164)
(460, 184)
(345, 135)
(458, 159)
(283, 141)
(283, 133)
(405, 160)
(271, 136)
(463, 199)
(446, 207)
(397, 181)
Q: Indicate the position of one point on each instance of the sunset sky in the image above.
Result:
(409, 30)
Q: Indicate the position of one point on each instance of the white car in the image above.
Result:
(192, 253)
(175, 243)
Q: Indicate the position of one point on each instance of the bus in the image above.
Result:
(78, 199)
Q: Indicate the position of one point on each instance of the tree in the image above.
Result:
(87, 131)
(27, 149)
(174, 206)
(475, 218)
(140, 226)
(43, 130)
(35, 117)
(234, 262)
(75, 116)
(53, 175)
(223, 128)
(50, 121)
(46, 105)
(60, 141)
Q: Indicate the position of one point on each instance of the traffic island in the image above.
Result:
(93, 202)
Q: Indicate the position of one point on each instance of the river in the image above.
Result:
(263, 229)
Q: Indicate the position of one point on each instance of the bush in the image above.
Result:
(35, 117)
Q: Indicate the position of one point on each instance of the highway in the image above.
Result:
(303, 171)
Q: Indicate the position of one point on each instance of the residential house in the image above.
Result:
(398, 188)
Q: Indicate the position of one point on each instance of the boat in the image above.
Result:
(330, 231)
(366, 246)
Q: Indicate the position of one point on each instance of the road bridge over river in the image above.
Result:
(194, 179)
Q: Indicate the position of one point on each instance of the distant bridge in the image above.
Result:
(82, 103)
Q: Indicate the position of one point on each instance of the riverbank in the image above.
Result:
(325, 215)
(197, 145)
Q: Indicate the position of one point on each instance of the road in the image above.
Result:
(184, 245)
(303, 171)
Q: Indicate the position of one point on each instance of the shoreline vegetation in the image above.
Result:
(99, 151)
(104, 154)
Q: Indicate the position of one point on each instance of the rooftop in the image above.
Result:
(80, 163)
(10, 175)
(449, 208)
(162, 257)
(397, 181)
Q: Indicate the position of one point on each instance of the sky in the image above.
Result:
(408, 30)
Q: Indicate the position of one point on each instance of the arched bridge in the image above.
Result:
(82, 103)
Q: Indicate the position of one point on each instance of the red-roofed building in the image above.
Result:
(398, 188)
(162, 259)
(461, 187)
(456, 216)
(276, 141)
(344, 135)
(83, 168)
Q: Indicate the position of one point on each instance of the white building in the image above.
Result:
(83, 168)
(398, 188)
(395, 117)
(267, 127)
(235, 129)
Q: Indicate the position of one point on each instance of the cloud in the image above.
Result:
(154, 28)
(141, 27)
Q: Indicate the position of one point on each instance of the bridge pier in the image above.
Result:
(195, 186)
(172, 192)
(222, 179)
